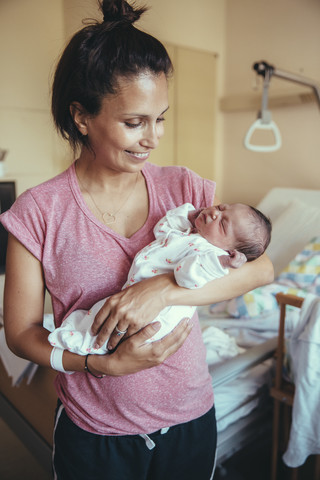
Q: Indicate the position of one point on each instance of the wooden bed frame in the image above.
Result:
(282, 393)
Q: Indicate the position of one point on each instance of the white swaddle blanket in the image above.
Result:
(75, 332)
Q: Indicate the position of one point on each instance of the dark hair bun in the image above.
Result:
(120, 12)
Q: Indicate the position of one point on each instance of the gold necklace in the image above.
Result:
(107, 217)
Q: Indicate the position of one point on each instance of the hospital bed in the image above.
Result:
(241, 366)
(242, 380)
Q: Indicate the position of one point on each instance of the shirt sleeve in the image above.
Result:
(202, 190)
(25, 222)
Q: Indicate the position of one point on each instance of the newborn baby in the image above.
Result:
(198, 246)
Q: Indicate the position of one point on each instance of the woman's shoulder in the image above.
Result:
(167, 171)
(184, 185)
(50, 189)
(53, 184)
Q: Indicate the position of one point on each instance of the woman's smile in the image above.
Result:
(141, 156)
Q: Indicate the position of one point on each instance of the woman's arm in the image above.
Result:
(139, 304)
(239, 281)
(26, 337)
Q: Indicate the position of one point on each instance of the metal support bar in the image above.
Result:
(263, 67)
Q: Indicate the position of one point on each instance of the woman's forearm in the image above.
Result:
(239, 281)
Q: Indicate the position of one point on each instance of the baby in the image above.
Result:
(198, 246)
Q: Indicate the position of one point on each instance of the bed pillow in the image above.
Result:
(291, 231)
(300, 277)
(304, 270)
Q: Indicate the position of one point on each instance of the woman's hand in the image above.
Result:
(134, 354)
(128, 311)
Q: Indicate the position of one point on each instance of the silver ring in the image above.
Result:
(120, 332)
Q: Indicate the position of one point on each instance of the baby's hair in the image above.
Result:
(255, 246)
(96, 56)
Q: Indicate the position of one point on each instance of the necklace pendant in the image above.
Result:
(108, 218)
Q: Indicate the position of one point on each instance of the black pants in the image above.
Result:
(185, 452)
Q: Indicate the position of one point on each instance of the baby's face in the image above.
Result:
(224, 225)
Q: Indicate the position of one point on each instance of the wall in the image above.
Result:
(285, 33)
(197, 24)
(32, 32)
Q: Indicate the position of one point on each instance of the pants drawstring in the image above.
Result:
(149, 442)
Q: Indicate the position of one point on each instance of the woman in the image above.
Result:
(79, 232)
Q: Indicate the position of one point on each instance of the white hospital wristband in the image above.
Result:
(56, 360)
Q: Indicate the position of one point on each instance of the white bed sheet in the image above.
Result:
(237, 398)
(247, 332)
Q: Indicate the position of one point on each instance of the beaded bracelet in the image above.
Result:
(87, 369)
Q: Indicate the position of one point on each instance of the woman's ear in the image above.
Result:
(80, 116)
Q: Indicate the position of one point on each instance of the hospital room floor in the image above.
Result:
(251, 463)
(254, 463)
(16, 463)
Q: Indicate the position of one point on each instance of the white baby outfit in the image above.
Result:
(193, 260)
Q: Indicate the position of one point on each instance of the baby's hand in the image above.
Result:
(235, 259)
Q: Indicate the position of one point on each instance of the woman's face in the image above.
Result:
(130, 122)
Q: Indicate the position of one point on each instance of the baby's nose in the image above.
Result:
(215, 214)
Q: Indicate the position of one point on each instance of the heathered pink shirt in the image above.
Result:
(84, 261)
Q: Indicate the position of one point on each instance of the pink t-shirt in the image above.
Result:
(84, 261)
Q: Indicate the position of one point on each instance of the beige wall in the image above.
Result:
(197, 24)
(285, 33)
(31, 33)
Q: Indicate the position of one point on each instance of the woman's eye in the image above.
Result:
(132, 125)
(161, 119)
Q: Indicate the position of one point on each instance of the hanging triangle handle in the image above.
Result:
(259, 124)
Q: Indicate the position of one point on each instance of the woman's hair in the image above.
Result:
(96, 56)
(256, 245)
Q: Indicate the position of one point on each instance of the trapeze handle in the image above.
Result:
(259, 124)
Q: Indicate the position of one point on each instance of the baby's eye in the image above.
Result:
(222, 206)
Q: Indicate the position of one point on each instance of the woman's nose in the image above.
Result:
(152, 136)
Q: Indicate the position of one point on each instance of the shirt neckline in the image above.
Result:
(87, 212)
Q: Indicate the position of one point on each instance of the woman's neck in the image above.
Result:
(118, 199)
(99, 178)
